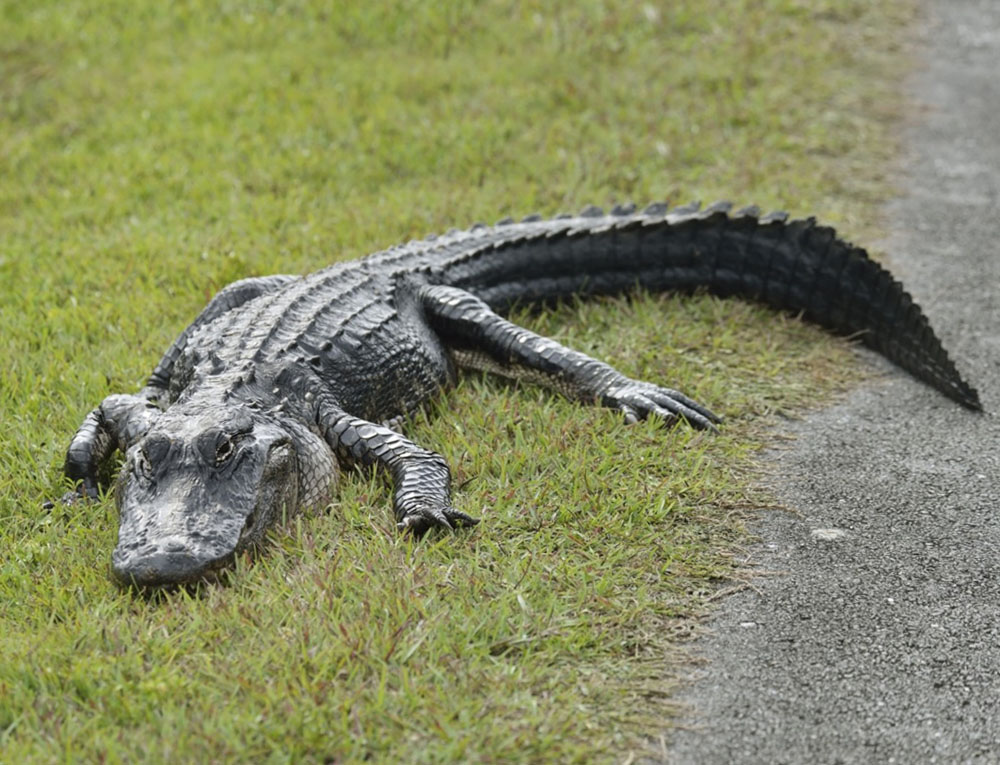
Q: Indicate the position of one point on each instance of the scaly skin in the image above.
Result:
(281, 379)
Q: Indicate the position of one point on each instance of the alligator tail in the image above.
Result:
(795, 265)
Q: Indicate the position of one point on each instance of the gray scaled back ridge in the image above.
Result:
(282, 379)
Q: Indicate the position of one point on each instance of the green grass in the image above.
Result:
(151, 152)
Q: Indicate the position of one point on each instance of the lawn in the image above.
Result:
(150, 153)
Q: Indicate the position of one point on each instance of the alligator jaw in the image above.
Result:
(171, 562)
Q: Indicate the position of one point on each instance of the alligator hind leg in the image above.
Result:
(480, 339)
(421, 480)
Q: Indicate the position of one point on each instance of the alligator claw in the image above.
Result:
(420, 520)
(631, 416)
(82, 493)
(637, 400)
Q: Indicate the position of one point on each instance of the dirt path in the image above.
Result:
(883, 644)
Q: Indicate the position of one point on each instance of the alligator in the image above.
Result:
(282, 381)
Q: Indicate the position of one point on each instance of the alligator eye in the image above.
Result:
(224, 452)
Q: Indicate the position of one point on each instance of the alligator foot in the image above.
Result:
(638, 400)
(86, 491)
(422, 517)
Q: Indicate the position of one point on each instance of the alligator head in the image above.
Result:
(199, 488)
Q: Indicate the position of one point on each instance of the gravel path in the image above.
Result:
(880, 641)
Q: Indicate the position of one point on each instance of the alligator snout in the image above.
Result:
(172, 560)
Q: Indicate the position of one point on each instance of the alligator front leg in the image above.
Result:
(117, 423)
(481, 339)
(421, 479)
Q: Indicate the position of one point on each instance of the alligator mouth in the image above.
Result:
(247, 534)
(170, 565)
(196, 588)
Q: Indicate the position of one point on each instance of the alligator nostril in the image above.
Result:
(174, 545)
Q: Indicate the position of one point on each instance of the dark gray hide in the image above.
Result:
(280, 378)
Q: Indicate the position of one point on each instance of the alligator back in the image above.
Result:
(796, 265)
